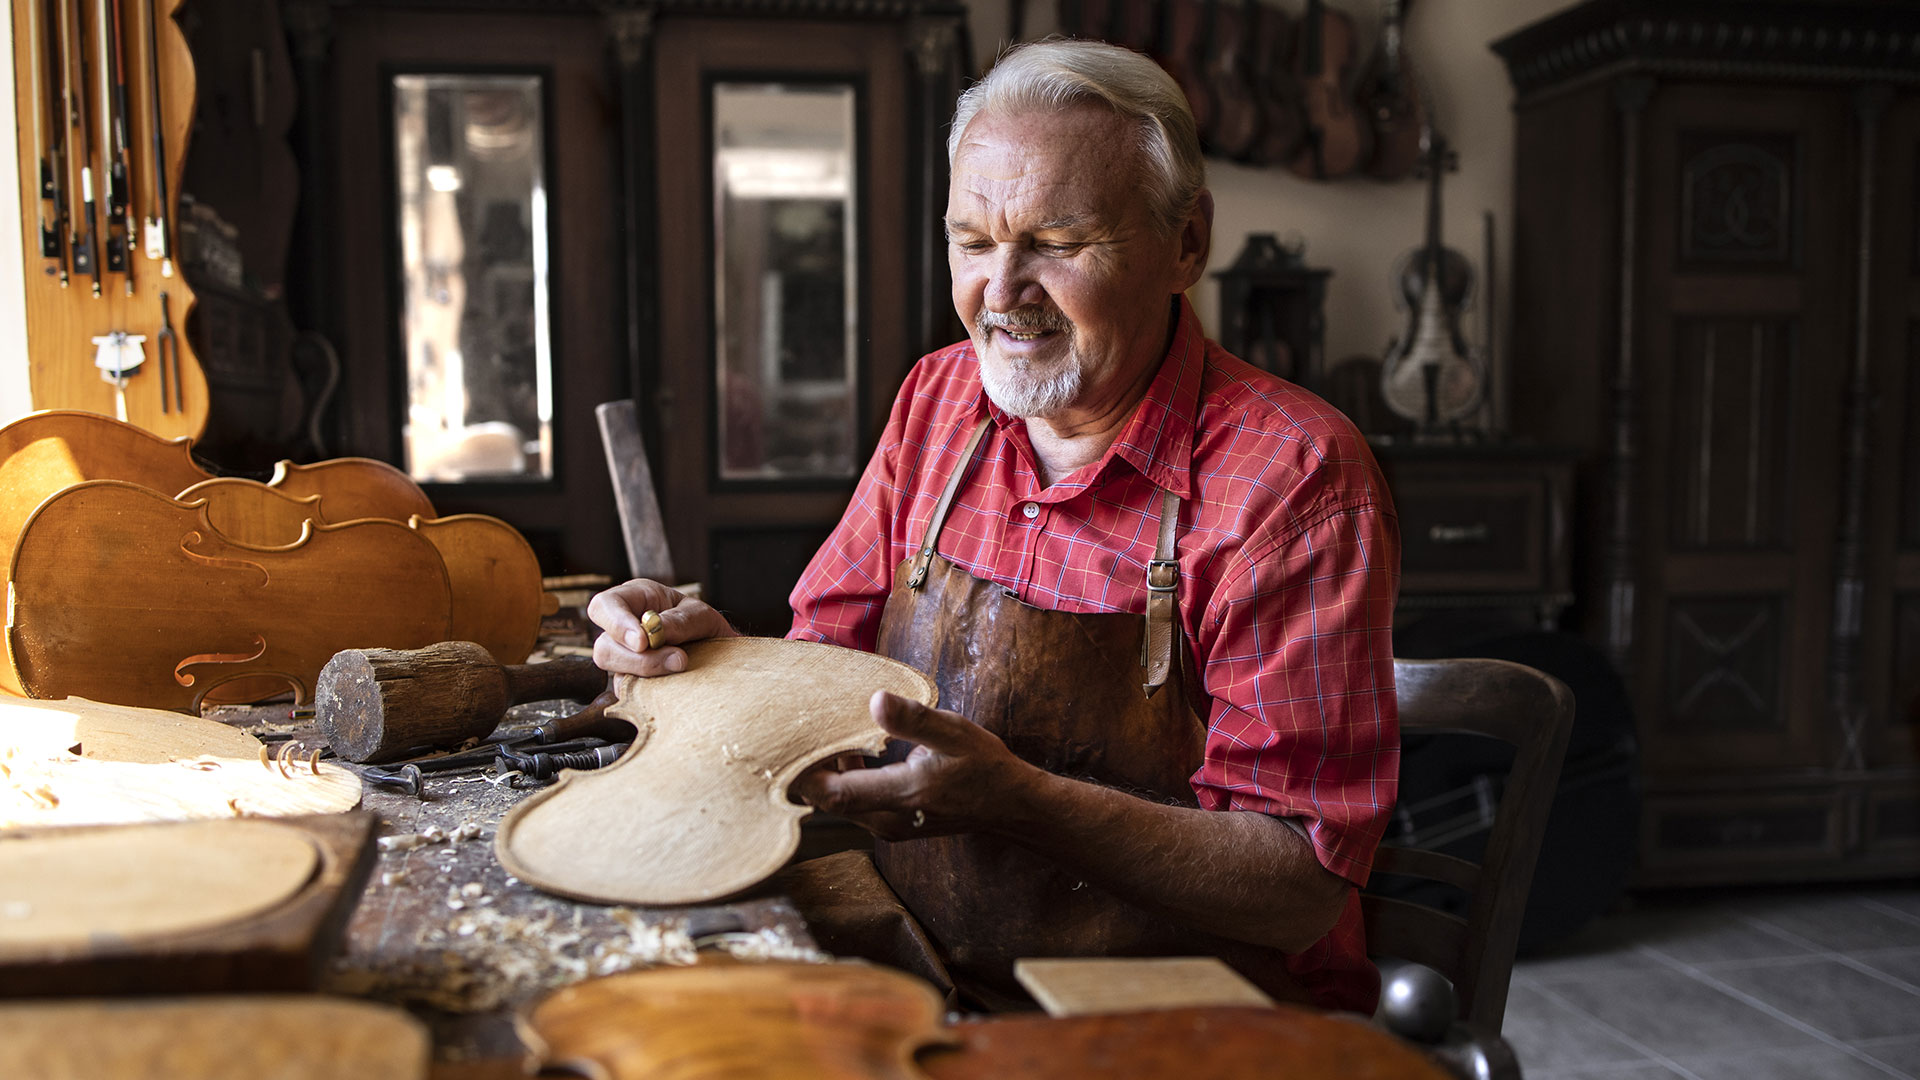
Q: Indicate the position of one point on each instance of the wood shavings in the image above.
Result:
(432, 834)
(772, 943)
(482, 959)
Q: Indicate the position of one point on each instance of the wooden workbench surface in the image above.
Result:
(443, 930)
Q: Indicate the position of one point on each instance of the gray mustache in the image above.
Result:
(1021, 323)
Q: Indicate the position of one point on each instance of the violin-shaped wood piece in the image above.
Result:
(1282, 124)
(699, 801)
(125, 595)
(43, 452)
(1177, 1044)
(1236, 113)
(1388, 95)
(1181, 51)
(1338, 139)
(769, 1021)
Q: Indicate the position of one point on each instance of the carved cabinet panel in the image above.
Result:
(1717, 298)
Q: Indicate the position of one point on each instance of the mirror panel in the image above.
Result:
(470, 156)
(786, 305)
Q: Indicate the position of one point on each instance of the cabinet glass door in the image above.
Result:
(785, 267)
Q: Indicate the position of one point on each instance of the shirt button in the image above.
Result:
(1032, 510)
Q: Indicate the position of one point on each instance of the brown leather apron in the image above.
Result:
(1099, 697)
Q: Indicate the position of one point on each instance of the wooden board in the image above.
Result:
(280, 947)
(288, 1037)
(31, 727)
(69, 790)
(699, 803)
(1087, 986)
(769, 1021)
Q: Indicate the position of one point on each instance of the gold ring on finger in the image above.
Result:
(656, 631)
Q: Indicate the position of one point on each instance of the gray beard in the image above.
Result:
(1019, 390)
(1022, 392)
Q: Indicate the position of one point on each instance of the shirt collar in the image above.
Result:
(1157, 440)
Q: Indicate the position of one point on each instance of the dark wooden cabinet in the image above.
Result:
(1482, 526)
(642, 119)
(1717, 296)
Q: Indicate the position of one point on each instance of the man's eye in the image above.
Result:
(1057, 247)
(972, 247)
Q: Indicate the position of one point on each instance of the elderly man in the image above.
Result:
(1153, 583)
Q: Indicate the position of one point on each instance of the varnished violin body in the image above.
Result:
(124, 595)
(489, 578)
(1338, 139)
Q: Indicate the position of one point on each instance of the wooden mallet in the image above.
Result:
(375, 705)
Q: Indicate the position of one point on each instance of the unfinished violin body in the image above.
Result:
(698, 805)
(774, 1021)
(43, 452)
(125, 595)
(492, 572)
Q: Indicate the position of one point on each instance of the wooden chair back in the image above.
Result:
(1533, 712)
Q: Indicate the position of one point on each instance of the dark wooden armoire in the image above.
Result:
(726, 211)
(1717, 298)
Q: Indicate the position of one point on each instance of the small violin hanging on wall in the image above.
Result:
(1338, 140)
(1389, 98)
(1282, 125)
(1429, 376)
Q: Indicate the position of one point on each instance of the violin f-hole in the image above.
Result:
(194, 537)
(181, 676)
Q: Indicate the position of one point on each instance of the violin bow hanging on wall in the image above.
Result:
(94, 157)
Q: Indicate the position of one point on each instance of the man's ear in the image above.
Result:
(1196, 243)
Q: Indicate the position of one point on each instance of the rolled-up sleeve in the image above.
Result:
(1299, 663)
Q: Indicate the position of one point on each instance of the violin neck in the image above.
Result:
(1436, 165)
(1312, 58)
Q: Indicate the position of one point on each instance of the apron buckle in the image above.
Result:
(1163, 574)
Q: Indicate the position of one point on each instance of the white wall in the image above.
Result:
(1358, 227)
(15, 397)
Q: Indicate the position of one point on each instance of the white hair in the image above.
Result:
(1060, 73)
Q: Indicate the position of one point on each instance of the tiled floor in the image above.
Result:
(1751, 985)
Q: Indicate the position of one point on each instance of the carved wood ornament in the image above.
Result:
(697, 809)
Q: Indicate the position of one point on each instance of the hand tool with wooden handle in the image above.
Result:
(375, 705)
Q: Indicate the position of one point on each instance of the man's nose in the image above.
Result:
(1010, 282)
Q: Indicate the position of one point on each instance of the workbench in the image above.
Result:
(444, 931)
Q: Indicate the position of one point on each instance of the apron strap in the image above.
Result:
(1163, 579)
(924, 557)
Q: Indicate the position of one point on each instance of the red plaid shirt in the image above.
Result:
(1289, 562)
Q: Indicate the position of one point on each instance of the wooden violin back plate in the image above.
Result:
(46, 451)
(771, 1021)
(355, 488)
(495, 578)
(124, 595)
(697, 808)
(492, 571)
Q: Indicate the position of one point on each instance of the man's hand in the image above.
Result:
(623, 649)
(959, 777)
(1240, 874)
